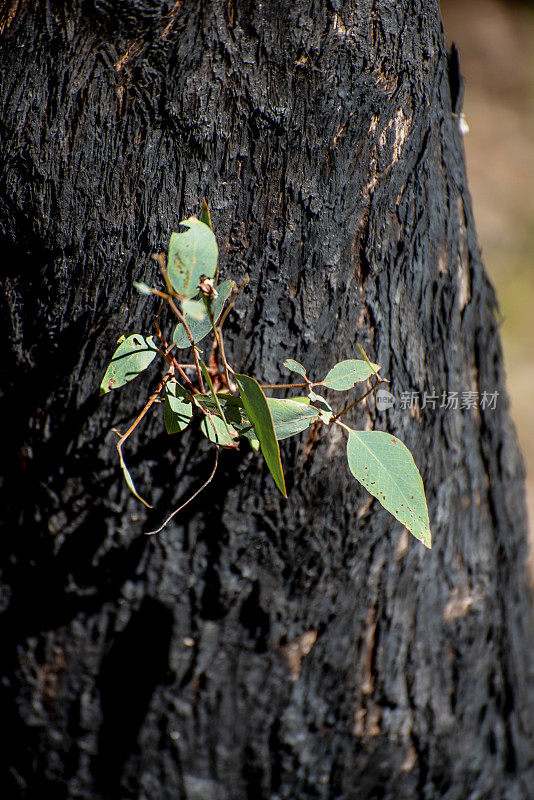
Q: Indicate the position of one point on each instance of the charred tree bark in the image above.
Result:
(259, 648)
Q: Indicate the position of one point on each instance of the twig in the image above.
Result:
(152, 399)
(233, 297)
(218, 338)
(135, 423)
(359, 400)
(288, 385)
(181, 317)
(198, 491)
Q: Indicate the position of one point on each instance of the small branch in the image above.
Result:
(198, 491)
(227, 367)
(288, 385)
(342, 425)
(364, 354)
(152, 399)
(359, 400)
(133, 426)
(233, 297)
(218, 338)
(181, 317)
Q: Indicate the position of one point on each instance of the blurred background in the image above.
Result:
(496, 44)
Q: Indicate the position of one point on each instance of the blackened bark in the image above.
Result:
(325, 138)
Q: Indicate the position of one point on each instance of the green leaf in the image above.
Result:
(205, 215)
(234, 413)
(200, 328)
(141, 287)
(129, 480)
(384, 465)
(191, 255)
(291, 417)
(218, 431)
(231, 405)
(132, 356)
(178, 408)
(294, 366)
(347, 373)
(230, 431)
(258, 412)
(325, 411)
(195, 309)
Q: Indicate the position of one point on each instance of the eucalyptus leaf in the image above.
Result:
(133, 355)
(232, 406)
(178, 408)
(346, 374)
(201, 327)
(129, 480)
(291, 417)
(294, 366)
(229, 430)
(258, 412)
(192, 253)
(385, 466)
(195, 309)
(324, 409)
(143, 288)
(205, 215)
(218, 431)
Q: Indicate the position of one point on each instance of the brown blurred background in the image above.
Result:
(496, 44)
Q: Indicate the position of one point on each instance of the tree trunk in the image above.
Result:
(259, 648)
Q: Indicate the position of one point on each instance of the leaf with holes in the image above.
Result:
(201, 327)
(258, 412)
(178, 408)
(384, 465)
(192, 253)
(133, 355)
(346, 374)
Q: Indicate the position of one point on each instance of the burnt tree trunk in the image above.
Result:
(258, 648)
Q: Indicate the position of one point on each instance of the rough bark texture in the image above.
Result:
(325, 138)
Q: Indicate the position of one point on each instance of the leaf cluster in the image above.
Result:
(231, 405)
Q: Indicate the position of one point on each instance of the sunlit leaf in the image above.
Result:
(192, 254)
(205, 215)
(129, 480)
(294, 366)
(291, 417)
(258, 412)
(347, 373)
(384, 465)
(195, 309)
(133, 355)
(200, 328)
(178, 408)
(141, 287)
